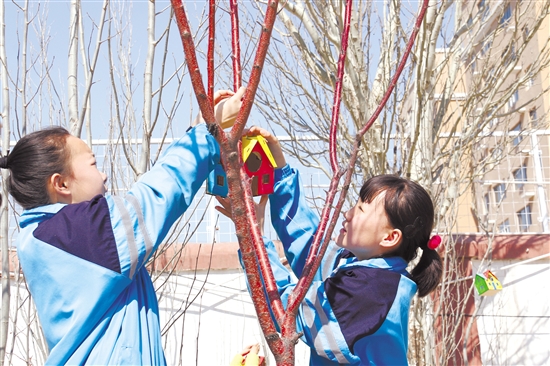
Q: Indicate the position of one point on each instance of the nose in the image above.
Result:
(345, 214)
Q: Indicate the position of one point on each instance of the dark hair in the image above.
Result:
(410, 209)
(33, 160)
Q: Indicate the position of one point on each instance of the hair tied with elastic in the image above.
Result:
(434, 242)
(4, 161)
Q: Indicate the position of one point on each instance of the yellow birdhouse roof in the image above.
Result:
(248, 143)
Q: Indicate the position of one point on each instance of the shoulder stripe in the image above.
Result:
(127, 223)
(323, 338)
(328, 261)
(141, 224)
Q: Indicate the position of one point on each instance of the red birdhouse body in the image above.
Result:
(259, 164)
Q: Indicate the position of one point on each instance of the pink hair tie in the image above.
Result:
(434, 242)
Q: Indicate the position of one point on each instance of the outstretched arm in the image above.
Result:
(145, 215)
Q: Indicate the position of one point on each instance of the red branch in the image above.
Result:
(210, 55)
(400, 68)
(236, 45)
(236, 132)
(338, 88)
(250, 241)
(252, 87)
(205, 104)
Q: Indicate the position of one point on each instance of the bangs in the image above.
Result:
(379, 184)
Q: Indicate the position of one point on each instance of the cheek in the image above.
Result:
(359, 229)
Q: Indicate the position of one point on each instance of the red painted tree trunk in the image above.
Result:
(265, 296)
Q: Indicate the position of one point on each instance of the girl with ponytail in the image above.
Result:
(84, 253)
(357, 308)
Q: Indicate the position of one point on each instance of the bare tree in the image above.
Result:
(72, 76)
(4, 238)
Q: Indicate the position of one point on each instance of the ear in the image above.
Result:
(391, 239)
(59, 189)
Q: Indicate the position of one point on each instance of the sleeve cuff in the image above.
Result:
(282, 173)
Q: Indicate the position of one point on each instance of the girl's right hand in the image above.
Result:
(272, 142)
(226, 107)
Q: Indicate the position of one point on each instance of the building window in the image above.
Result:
(497, 154)
(473, 65)
(513, 99)
(500, 192)
(481, 5)
(517, 138)
(504, 227)
(487, 202)
(486, 47)
(506, 16)
(524, 218)
(483, 9)
(533, 114)
(509, 54)
(493, 120)
(490, 76)
(520, 177)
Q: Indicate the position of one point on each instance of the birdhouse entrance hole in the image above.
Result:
(254, 162)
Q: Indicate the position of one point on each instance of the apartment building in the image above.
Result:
(508, 52)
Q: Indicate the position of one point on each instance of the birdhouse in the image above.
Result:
(216, 183)
(487, 284)
(259, 164)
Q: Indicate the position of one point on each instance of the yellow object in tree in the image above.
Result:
(248, 357)
(251, 359)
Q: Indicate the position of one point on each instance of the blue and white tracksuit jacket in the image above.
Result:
(85, 263)
(356, 311)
